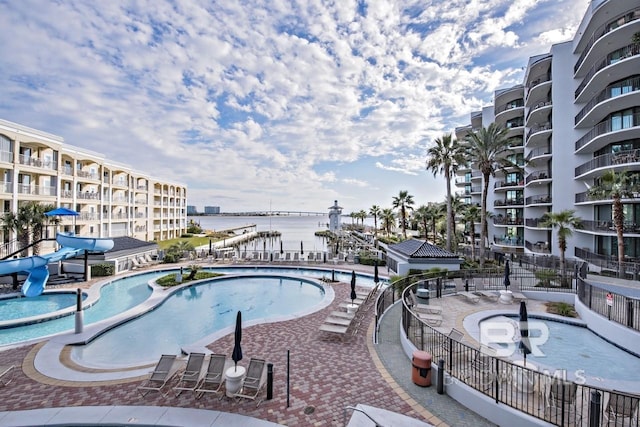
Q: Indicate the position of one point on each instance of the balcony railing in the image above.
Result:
(507, 240)
(537, 176)
(609, 59)
(510, 106)
(37, 190)
(540, 128)
(88, 216)
(88, 174)
(6, 187)
(502, 220)
(541, 151)
(499, 184)
(542, 78)
(88, 195)
(608, 227)
(510, 202)
(540, 199)
(604, 29)
(537, 105)
(535, 223)
(601, 128)
(607, 160)
(538, 247)
(633, 85)
(37, 162)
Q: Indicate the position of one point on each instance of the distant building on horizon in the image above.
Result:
(211, 210)
(191, 210)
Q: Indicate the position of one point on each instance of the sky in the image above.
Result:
(274, 104)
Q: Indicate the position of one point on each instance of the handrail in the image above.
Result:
(625, 52)
(353, 408)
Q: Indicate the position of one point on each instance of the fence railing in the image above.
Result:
(549, 396)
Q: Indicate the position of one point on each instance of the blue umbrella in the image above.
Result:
(237, 350)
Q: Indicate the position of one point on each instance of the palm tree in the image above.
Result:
(39, 222)
(362, 214)
(471, 215)
(615, 186)
(421, 214)
(403, 201)
(564, 221)
(20, 223)
(488, 148)
(388, 220)
(375, 212)
(455, 206)
(435, 213)
(28, 223)
(444, 158)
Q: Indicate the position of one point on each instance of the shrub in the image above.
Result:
(170, 279)
(562, 309)
(102, 270)
(545, 277)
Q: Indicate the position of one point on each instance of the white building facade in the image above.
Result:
(112, 199)
(575, 116)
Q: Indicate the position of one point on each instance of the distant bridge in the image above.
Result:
(269, 213)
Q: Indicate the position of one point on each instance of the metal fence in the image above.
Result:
(549, 396)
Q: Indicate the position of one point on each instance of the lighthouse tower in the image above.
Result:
(334, 218)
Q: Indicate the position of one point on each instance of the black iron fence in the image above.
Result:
(549, 396)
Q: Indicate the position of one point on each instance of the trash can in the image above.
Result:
(421, 368)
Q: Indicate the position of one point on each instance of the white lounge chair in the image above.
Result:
(431, 319)
(491, 296)
(254, 381)
(470, 296)
(425, 308)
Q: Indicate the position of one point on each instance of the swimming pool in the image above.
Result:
(195, 312)
(574, 348)
(19, 307)
(115, 297)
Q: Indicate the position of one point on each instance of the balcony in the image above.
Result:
(36, 162)
(6, 156)
(538, 176)
(506, 185)
(612, 58)
(543, 199)
(502, 220)
(538, 80)
(537, 129)
(88, 174)
(507, 240)
(613, 91)
(603, 30)
(538, 106)
(88, 195)
(607, 160)
(88, 216)
(536, 223)
(629, 227)
(538, 153)
(609, 126)
(37, 190)
(66, 194)
(538, 247)
(6, 187)
(510, 202)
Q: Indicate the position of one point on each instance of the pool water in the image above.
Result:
(195, 312)
(576, 349)
(115, 297)
(21, 307)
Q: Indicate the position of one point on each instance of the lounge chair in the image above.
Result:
(491, 296)
(621, 406)
(296, 257)
(560, 402)
(470, 296)
(6, 374)
(191, 375)
(287, 256)
(481, 367)
(431, 319)
(254, 381)
(426, 308)
(213, 379)
(454, 335)
(518, 296)
(164, 371)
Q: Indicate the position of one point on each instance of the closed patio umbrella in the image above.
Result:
(281, 251)
(353, 286)
(507, 272)
(236, 355)
(301, 248)
(376, 279)
(525, 346)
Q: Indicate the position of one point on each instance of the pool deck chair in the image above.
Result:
(255, 380)
(491, 296)
(190, 377)
(431, 319)
(560, 402)
(470, 296)
(519, 296)
(213, 379)
(620, 407)
(425, 308)
(6, 374)
(164, 371)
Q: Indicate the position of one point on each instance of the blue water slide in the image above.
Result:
(36, 266)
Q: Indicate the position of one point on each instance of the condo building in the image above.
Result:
(575, 116)
(112, 199)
